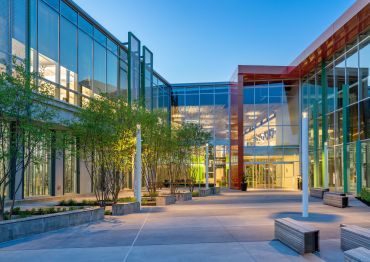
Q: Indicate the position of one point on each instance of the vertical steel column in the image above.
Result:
(324, 125)
(137, 178)
(207, 165)
(345, 138)
(315, 143)
(358, 167)
(305, 163)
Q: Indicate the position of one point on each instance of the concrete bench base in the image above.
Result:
(18, 228)
(318, 192)
(205, 192)
(215, 190)
(354, 236)
(121, 209)
(298, 236)
(359, 254)
(165, 200)
(185, 196)
(336, 200)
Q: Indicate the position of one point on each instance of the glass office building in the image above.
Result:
(254, 119)
(329, 80)
(336, 96)
(271, 133)
(206, 104)
(80, 60)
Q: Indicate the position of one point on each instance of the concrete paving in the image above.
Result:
(234, 226)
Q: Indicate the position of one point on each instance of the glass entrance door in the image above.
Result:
(262, 175)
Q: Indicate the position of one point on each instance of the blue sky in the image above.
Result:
(204, 40)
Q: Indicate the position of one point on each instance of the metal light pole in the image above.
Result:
(137, 181)
(326, 166)
(305, 164)
(207, 166)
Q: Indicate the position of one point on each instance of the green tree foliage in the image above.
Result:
(155, 132)
(195, 138)
(105, 131)
(26, 118)
(181, 145)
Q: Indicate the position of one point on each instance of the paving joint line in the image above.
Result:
(137, 236)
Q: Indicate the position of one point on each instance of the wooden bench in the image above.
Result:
(298, 236)
(359, 254)
(352, 236)
(336, 199)
(318, 192)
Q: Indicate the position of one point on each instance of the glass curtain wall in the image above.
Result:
(37, 174)
(147, 77)
(161, 95)
(208, 106)
(271, 134)
(73, 56)
(69, 171)
(345, 78)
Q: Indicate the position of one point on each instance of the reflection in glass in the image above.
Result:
(99, 69)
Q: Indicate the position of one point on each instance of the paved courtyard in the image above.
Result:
(234, 226)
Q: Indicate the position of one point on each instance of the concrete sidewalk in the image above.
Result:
(235, 226)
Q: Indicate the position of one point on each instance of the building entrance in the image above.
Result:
(276, 175)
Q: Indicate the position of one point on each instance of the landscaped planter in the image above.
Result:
(17, 228)
(121, 209)
(165, 200)
(216, 190)
(185, 196)
(205, 192)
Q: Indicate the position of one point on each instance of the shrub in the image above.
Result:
(195, 194)
(108, 212)
(126, 200)
(153, 194)
(365, 194)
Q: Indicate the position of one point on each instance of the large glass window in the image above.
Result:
(37, 174)
(134, 54)
(365, 119)
(85, 64)
(53, 3)
(68, 60)
(48, 41)
(70, 170)
(365, 67)
(4, 33)
(339, 79)
(68, 12)
(85, 25)
(352, 74)
(271, 133)
(19, 28)
(100, 76)
(123, 80)
(112, 73)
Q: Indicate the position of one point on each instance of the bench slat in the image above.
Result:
(300, 237)
(357, 254)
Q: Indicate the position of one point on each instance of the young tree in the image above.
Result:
(104, 130)
(26, 118)
(196, 138)
(155, 131)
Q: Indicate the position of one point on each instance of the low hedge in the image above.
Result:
(75, 203)
(365, 195)
(19, 213)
